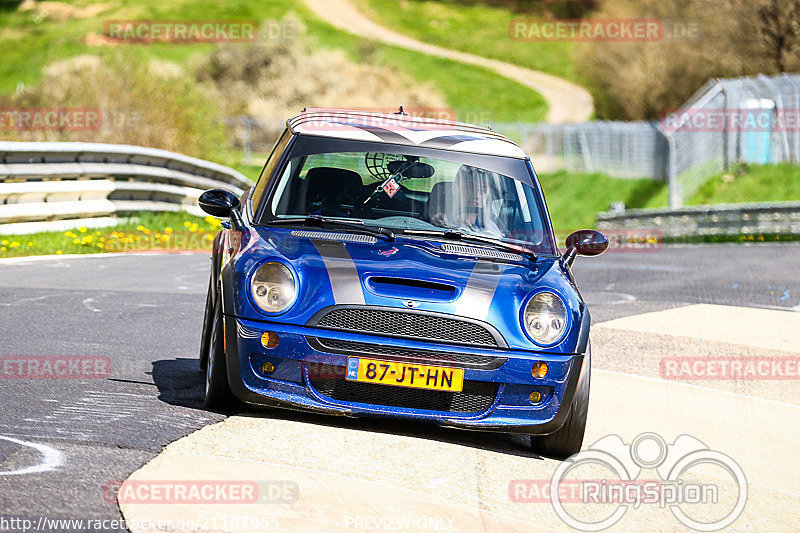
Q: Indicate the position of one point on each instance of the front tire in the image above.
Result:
(218, 390)
(568, 439)
(208, 320)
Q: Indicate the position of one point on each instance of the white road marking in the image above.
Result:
(51, 458)
(30, 299)
(759, 434)
(87, 303)
(777, 330)
(155, 473)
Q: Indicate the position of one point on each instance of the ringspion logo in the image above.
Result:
(682, 484)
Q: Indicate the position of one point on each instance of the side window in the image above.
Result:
(269, 167)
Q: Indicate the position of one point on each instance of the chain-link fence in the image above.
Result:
(619, 149)
(751, 120)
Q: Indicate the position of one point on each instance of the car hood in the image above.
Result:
(408, 273)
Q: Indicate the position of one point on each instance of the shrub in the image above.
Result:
(147, 103)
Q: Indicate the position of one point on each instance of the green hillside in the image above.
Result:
(29, 41)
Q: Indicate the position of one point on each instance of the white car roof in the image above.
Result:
(396, 128)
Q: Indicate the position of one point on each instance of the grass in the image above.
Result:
(755, 183)
(742, 184)
(146, 231)
(474, 93)
(251, 171)
(575, 199)
(28, 42)
(475, 28)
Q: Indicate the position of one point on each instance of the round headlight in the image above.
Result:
(545, 318)
(273, 287)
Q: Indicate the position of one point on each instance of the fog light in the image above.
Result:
(539, 369)
(267, 368)
(535, 397)
(269, 339)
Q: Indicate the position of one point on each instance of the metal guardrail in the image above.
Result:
(59, 185)
(767, 218)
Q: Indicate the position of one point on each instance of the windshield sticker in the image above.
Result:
(390, 187)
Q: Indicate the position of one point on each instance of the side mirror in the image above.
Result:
(586, 242)
(218, 203)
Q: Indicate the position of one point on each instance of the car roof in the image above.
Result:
(399, 128)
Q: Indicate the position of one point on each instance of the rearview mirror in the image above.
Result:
(411, 169)
(586, 242)
(218, 203)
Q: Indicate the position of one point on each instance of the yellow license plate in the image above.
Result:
(405, 374)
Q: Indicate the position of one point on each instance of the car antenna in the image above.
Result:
(401, 112)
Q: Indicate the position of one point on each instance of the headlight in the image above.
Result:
(545, 318)
(273, 287)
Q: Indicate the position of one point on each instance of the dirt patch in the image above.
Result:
(98, 39)
(62, 11)
(568, 102)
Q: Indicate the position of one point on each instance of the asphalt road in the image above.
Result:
(144, 313)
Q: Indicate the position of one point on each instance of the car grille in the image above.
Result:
(411, 325)
(484, 362)
(476, 397)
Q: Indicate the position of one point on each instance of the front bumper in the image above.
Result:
(307, 363)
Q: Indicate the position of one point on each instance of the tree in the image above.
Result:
(779, 29)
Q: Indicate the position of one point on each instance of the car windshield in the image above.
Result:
(405, 193)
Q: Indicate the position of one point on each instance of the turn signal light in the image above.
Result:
(539, 369)
(535, 397)
(267, 368)
(269, 339)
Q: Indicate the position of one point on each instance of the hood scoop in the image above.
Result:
(413, 289)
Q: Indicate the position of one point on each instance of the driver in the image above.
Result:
(468, 207)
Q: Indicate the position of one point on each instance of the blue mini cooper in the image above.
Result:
(392, 266)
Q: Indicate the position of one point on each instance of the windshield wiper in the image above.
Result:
(322, 222)
(469, 237)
